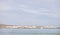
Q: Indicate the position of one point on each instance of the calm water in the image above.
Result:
(29, 31)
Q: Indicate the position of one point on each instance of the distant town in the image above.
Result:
(28, 27)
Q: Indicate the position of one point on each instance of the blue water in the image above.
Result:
(29, 31)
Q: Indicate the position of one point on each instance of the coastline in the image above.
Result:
(28, 27)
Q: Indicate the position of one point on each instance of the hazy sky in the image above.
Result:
(30, 12)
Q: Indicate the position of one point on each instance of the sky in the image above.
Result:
(30, 12)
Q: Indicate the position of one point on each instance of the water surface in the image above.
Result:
(29, 31)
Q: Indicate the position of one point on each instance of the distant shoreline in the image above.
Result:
(28, 27)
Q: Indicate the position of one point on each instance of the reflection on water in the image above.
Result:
(29, 31)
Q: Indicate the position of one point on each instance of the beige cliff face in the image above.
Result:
(29, 26)
(49, 27)
(11, 27)
(26, 27)
(14, 26)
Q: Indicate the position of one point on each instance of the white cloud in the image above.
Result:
(26, 8)
(34, 12)
(43, 11)
(6, 5)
